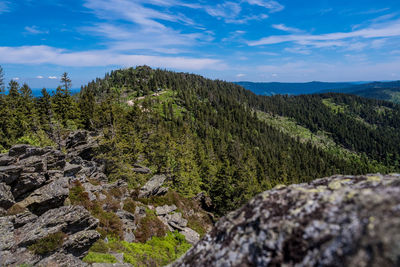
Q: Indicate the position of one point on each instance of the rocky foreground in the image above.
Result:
(40, 226)
(335, 221)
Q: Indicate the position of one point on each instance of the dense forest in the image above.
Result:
(205, 135)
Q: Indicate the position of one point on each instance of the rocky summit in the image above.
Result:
(335, 221)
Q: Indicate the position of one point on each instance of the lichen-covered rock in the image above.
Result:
(66, 219)
(190, 235)
(163, 210)
(335, 221)
(6, 198)
(152, 187)
(47, 197)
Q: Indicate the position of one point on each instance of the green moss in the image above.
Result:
(93, 257)
(48, 244)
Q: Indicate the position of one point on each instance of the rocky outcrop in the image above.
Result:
(335, 221)
(34, 184)
(153, 187)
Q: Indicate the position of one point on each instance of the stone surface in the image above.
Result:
(79, 243)
(335, 221)
(67, 219)
(191, 236)
(152, 187)
(163, 210)
(6, 198)
(141, 169)
(47, 197)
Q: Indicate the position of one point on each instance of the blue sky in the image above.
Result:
(254, 40)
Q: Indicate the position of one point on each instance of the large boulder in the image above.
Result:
(153, 186)
(335, 221)
(47, 197)
(66, 219)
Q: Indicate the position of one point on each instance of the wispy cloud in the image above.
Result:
(285, 28)
(391, 29)
(4, 7)
(52, 77)
(50, 55)
(35, 30)
(39, 77)
(273, 6)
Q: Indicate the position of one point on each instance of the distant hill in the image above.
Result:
(277, 88)
(379, 90)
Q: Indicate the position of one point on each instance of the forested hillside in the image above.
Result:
(209, 136)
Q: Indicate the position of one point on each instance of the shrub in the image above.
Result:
(93, 257)
(129, 205)
(48, 244)
(148, 227)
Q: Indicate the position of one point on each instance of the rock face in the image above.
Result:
(335, 221)
(153, 187)
(34, 183)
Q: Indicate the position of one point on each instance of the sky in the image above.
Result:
(243, 40)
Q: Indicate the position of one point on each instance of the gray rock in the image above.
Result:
(163, 210)
(6, 237)
(18, 150)
(61, 259)
(111, 265)
(6, 160)
(335, 221)
(141, 169)
(71, 169)
(176, 221)
(47, 197)
(24, 218)
(67, 219)
(6, 198)
(79, 243)
(8, 174)
(128, 224)
(191, 236)
(152, 186)
(76, 138)
(26, 183)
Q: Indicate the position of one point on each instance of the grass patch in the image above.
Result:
(158, 251)
(48, 244)
(334, 106)
(93, 257)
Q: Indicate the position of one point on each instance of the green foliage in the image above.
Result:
(129, 205)
(93, 257)
(148, 227)
(39, 139)
(158, 251)
(48, 244)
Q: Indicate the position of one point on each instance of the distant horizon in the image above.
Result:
(254, 40)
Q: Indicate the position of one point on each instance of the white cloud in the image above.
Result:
(377, 31)
(51, 55)
(4, 7)
(15, 79)
(52, 77)
(35, 30)
(240, 75)
(285, 28)
(39, 77)
(273, 6)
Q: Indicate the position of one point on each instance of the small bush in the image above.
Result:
(48, 244)
(93, 257)
(78, 196)
(129, 206)
(109, 223)
(148, 227)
